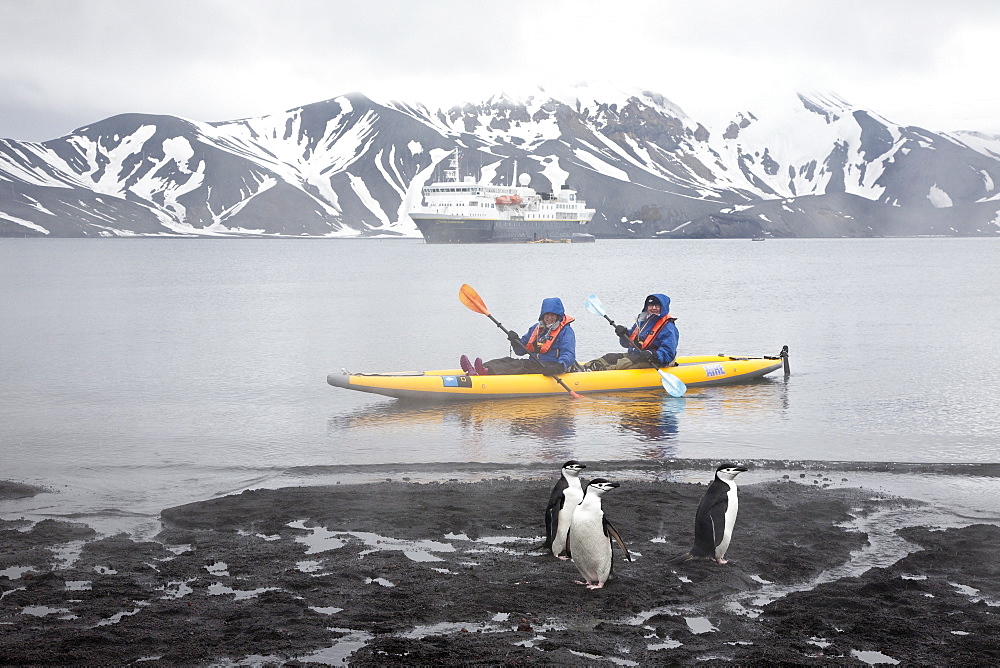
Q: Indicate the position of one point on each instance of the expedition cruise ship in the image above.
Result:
(455, 212)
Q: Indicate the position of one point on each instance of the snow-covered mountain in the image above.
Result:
(351, 166)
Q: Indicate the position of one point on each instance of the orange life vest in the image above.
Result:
(532, 344)
(651, 336)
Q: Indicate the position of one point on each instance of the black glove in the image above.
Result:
(512, 335)
(621, 331)
(648, 356)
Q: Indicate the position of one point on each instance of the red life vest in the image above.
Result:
(651, 336)
(532, 344)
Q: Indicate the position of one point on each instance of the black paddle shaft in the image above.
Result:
(612, 322)
(497, 323)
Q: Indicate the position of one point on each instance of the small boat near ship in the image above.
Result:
(457, 211)
(455, 385)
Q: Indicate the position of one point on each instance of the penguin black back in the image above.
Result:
(711, 513)
(715, 517)
(557, 500)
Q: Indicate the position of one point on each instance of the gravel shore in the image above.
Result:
(452, 574)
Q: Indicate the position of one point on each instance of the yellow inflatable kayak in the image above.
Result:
(455, 385)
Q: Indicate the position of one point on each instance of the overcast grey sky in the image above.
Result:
(67, 63)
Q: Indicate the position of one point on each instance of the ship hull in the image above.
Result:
(440, 229)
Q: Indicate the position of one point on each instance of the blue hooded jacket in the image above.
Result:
(563, 349)
(664, 346)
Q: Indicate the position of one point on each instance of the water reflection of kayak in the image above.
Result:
(454, 385)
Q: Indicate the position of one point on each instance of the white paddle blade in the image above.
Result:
(594, 305)
(674, 386)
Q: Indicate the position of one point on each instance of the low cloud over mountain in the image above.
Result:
(351, 166)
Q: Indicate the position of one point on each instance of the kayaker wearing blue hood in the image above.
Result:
(551, 341)
(651, 341)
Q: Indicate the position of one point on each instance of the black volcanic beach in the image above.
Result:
(405, 573)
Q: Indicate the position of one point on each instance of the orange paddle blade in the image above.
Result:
(471, 299)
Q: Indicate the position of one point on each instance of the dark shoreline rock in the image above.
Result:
(18, 490)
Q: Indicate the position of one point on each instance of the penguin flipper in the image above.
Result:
(569, 555)
(612, 533)
(710, 521)
(719, 522)
(551, 522)
(552, 508)
(704, 536)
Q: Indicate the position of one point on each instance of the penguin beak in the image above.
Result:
(613, 484)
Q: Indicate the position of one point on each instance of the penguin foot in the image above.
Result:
(721, 561)
(599, 585)
(563, 557)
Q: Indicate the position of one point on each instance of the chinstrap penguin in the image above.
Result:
(565, 497)
(591, 536)
(716, 516)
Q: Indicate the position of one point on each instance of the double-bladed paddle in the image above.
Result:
(473, 301)
(674, 386)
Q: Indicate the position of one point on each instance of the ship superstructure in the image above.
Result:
(463, 211)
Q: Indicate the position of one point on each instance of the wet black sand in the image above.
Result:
(227, 580)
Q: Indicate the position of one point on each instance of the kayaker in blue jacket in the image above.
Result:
(650, 342)
(551, 341)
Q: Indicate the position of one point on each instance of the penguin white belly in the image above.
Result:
(590, 548)
(571, 499)
(732, 507)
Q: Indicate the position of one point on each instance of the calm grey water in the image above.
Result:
(141, 373)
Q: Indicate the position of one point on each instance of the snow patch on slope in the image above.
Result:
(361, 190)
(939, 198)
(599, 165)
(24, 223)
(111, 176)
(556, 175)
(33, 167)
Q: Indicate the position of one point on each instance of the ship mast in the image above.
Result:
(451, 173)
